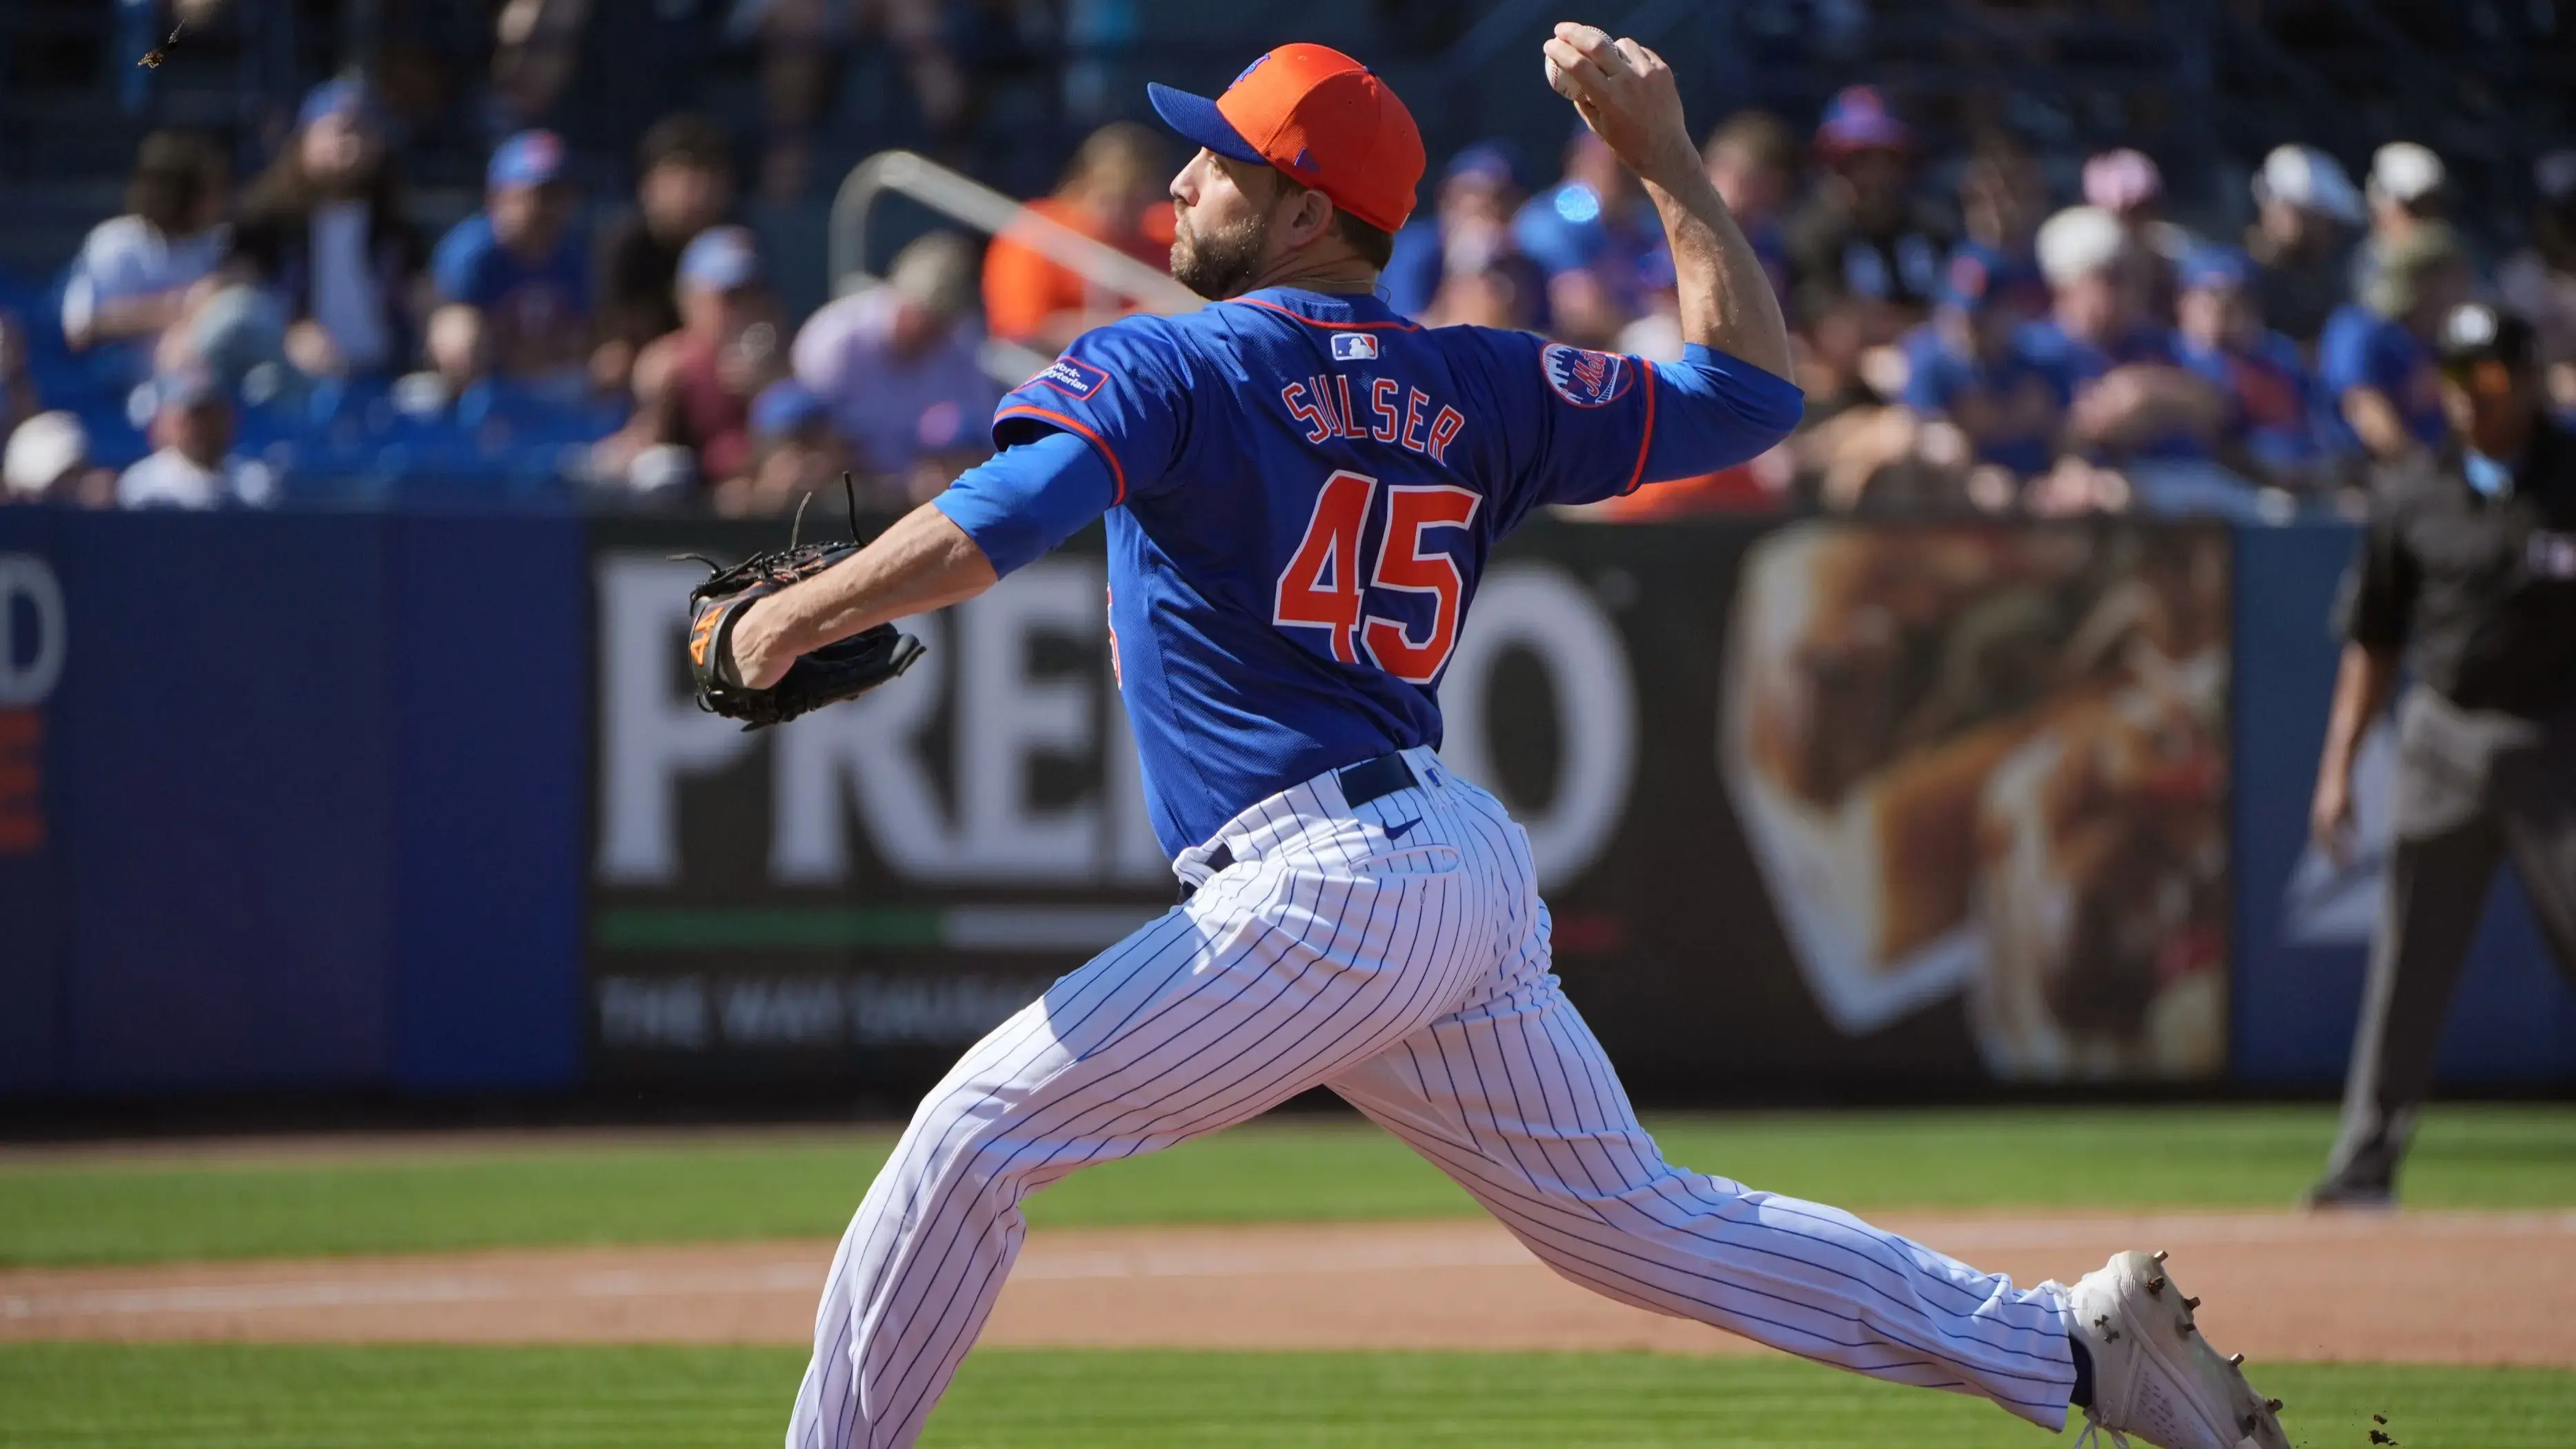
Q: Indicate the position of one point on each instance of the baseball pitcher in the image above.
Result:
(1302, 489)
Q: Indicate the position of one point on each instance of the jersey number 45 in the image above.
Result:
(1322, 586)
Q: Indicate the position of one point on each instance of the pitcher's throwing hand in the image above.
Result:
(1625, 93)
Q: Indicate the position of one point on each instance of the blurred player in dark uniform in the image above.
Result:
(2468, 580)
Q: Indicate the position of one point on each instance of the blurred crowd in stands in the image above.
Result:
(1969, 338)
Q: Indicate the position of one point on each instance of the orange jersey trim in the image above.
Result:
(1646, 438)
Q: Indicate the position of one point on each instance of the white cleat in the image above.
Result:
(2154, 1376)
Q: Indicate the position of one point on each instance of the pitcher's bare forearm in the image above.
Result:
(1726, 296)
(923, 562)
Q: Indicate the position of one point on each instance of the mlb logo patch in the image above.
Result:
(1078, 380)
(1354, 347)
(1583, 377)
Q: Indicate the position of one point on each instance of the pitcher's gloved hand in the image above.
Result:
(835, 672)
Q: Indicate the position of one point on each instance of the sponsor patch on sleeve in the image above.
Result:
(1583, 377)
(1074, 378)
(1354, 347)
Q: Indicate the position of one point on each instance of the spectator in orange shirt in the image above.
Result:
(1114, 192)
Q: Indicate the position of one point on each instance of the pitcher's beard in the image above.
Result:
(1219, 264)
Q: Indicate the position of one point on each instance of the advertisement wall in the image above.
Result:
(860, 892)
(421, 804)
(1820, 806)
(35, 644)
(288, 802)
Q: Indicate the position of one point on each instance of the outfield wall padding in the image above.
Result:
(314, 802)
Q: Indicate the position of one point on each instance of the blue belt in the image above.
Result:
(1361, 783)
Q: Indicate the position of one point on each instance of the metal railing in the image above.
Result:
(972, 204)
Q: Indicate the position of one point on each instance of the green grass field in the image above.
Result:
(93, 1396)
(64, 1212)
(531, 1192)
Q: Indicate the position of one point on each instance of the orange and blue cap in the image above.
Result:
(1318, 115)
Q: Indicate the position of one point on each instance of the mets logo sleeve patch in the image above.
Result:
(1583, 377)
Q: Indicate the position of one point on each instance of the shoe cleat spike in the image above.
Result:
(2185, 1330)
(2236, 1360)
(2272, 1404)
(2160, 1255)
(2191, 1303)
(2156, 1286)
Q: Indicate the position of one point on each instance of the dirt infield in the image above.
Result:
(2482, 1288)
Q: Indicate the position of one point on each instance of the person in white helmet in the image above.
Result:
(2306, 212)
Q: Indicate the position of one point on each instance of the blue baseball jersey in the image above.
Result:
(2011, 406)
(1302, 492)
(2271, 400)
(2075, 364)
(2362, 349)
(471, 266)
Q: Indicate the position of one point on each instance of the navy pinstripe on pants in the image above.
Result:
(1409, 974)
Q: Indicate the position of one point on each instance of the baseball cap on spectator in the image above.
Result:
(2077, 242)
(1857, 119)
(44, 449)
(2122, 180)
(2309, 179)
(936, 272)
(784, 407)
(347, 96)
(2404, 173)
(530, 158)
(720, 259)
(1321, 117)
(2212, 267)
(1976, 277)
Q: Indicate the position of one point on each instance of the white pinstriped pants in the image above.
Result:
(1407, 969)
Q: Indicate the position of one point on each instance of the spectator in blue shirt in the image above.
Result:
(2374, 362)
(2128, 398)
(1595, 238)
(516, 267)
(1465, 246)
(1971, 367)
(2269, 431)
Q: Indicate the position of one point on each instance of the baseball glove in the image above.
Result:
(835, 672)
